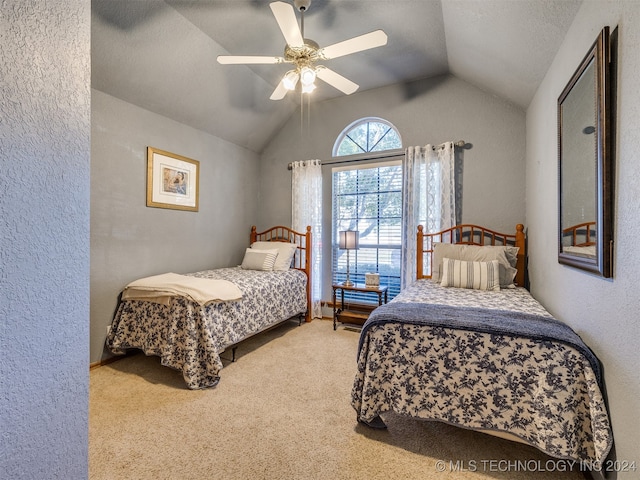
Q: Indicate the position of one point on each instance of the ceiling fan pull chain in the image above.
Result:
(309, 115)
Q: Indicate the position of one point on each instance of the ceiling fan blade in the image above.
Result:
(279, 93)
(336, 80)
(286, 18)
(355, 44)
(247, 59)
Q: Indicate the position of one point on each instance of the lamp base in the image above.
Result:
(348, 283)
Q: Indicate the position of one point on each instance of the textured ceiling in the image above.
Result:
(161, 55)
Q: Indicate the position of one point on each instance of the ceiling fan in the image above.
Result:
(305, 54)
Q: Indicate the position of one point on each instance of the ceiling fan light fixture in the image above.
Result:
(307, 76)
(290, 80)
(308, 88)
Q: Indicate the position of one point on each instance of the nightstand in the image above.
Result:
(357, 313)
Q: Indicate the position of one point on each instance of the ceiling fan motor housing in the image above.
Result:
(304, 55)
(302, 5)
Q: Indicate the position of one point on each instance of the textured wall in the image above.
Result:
(603, 312)
(130, 240)
(428, 111)
(44, 234)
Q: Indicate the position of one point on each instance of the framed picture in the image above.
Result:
(172, 180)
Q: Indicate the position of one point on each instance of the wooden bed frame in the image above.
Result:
(393, 347)
(183, 356)
(470, 235)
(586, 231)
(302, 258)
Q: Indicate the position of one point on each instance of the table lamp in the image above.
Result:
(348, 240)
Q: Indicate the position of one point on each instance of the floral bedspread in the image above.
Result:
(543, 392)
(190, 337)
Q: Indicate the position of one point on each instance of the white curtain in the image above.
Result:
(306, 207)
(428, 198)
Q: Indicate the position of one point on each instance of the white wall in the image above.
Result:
(427, 111)
(603, 312)
(44, 238)
(130, 240)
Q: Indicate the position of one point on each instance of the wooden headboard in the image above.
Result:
(581, 235)
(302, 258)
(470, 235)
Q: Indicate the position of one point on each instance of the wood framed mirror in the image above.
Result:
(585, 156)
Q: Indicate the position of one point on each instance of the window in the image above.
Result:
(367, 135)
(369, 200)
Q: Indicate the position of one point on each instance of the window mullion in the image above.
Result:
(356, 144)
(379, 140)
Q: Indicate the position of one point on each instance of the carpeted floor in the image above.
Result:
(281, 411)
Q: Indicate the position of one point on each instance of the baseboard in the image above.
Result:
(115, 358)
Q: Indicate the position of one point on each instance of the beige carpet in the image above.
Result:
(281, 411)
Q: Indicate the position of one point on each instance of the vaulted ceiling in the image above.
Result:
(161, 55)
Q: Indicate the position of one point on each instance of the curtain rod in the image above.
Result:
(459, 144)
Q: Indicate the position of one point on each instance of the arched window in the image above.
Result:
(367, 135)
(367, 197)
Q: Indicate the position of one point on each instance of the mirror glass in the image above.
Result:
(578, 215)
(584, 164)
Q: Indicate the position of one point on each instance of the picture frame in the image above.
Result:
(173, 181)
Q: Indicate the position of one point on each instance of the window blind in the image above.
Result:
(368, 199)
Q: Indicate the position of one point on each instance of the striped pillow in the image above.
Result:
(255, 259)
(475, 275)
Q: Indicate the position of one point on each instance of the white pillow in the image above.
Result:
(474, 275)
(505, 255)
(285, 250)
(255, 259)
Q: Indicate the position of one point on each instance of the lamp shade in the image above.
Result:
(349, 239)
(307, 75)
(290, 79)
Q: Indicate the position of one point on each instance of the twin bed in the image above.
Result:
(466, 344)
(189, 320)
(480, 357)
